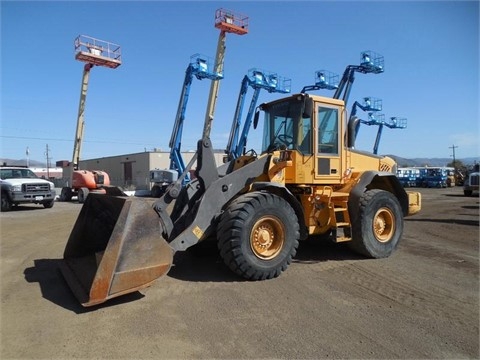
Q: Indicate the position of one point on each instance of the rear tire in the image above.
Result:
(258, 235)
(82, 194)
(380, 224)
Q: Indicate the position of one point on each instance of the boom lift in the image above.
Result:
(370, 63)
(200, 67)
(372, 106)
(324, 79)
(257, 79)
(226, 21)
(93, 52)
(306, 181)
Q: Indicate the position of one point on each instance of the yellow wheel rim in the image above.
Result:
(384, 225)
(267, 237)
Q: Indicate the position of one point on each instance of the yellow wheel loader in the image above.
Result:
(308, 180)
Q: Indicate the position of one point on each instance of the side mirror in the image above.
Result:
(307, 108)
(353, 125)
(255, 118)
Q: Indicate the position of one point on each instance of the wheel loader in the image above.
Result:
(309, 179)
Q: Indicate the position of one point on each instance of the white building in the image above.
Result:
(133, 170)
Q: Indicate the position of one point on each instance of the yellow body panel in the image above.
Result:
(323, 174)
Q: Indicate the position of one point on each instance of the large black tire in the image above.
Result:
(6, 203)
(258, 235)
(48, 204)
(66, 194)
(156, 191)
(82, 194)
(379, 226)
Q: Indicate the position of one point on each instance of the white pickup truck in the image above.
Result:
(21, 185)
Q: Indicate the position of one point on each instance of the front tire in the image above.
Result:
(6, 204)
(379, 228)
(156, 191)
(48, 204)
(66, 194)
(258, 235)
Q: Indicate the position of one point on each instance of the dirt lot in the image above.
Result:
(423, 302)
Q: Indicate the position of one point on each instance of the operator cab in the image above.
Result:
(288, 125)
(289, 122)
(310, 126)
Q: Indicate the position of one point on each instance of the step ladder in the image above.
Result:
(338, 208)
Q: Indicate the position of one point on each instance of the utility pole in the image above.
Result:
(453, 147)
(48, 161)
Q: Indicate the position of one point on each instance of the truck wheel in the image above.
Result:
(6, 203)
(258, 235)
(156, 191)
(82, 194)
(380, 224)
(66, 194)
(48, 204)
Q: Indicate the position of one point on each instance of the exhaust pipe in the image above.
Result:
(115, 248)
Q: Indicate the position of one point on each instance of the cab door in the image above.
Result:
(328, 161)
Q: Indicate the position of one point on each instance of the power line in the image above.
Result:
(88, 141)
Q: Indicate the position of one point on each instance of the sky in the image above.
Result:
(431, 78)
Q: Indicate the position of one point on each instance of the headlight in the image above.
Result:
(17, 188)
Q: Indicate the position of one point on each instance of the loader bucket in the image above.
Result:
(116, 247)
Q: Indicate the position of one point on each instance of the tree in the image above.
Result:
(457, 164)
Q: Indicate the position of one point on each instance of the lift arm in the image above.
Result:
(395, 123)
(200, 68)
(233, 138)
(226, 21)
(370, 63)
(215, 86)
(176, 160)
(77, 143)
(242, 142)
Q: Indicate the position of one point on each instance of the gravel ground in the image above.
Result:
(422, 302)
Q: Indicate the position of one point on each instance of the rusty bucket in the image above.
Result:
(115, 248)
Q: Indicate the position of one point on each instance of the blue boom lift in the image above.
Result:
(372, 106)
(200, 67)
(227, 22)
(370, 63)
(324, 79)
(257, 79)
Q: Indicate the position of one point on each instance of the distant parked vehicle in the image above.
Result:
(21, 185)
(470, 184)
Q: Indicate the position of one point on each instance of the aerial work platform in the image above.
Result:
(97, 52)
(232, 22)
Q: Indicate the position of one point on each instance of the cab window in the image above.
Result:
(327, 131)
